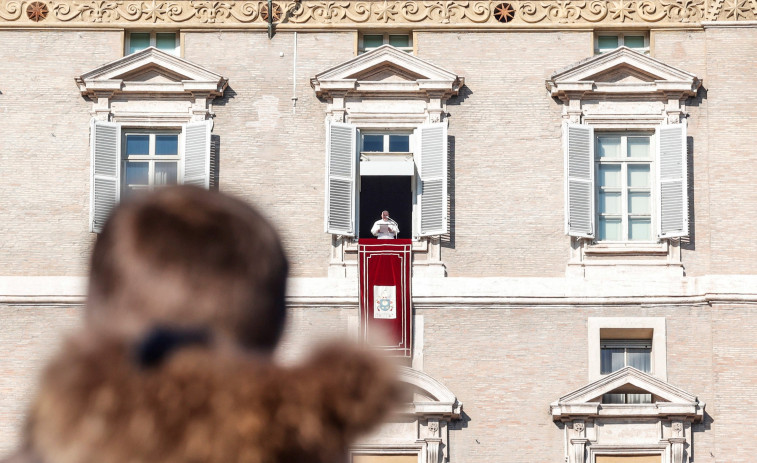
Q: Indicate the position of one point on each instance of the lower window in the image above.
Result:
(621, 353)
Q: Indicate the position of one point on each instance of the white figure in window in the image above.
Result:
(385, 227)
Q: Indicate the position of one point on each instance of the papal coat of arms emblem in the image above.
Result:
(385, 302)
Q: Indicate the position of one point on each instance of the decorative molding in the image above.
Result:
(382, 13)
(622, 72)
(370, 74)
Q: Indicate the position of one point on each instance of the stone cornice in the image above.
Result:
(384, 14)
(113, 77)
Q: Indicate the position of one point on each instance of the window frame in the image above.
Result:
(624, 161)
(365, 156)
(151, 158)
(624, 344)
(387, 133)
(153, 41)
(410, 48)
(621, 41)
(639, 328)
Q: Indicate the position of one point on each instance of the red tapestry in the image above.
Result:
(385, 309)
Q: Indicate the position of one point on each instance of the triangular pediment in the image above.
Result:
(622, 71)
(151, 70)
(668, 399)
(386, 72)
(386, 69)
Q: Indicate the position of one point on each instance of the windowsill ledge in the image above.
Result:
(627, 249)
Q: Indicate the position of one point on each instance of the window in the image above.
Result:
(149, 160)
(387, 181)
(129, 159)
(368, 42)
(404, 173)
(618, 342)
(623, 164)
(607, 41)
(166, 41)
(615, 194)
(386, 143)
(621, 353)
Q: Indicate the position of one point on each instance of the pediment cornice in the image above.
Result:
(604, 75)
(584, 402)
(442, 403)
(357, 76)
(170, 75)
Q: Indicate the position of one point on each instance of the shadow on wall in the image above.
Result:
(448, 239)
(689, 243)
(228, 94)
(215, 163)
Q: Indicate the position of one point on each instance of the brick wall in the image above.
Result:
(44, 148)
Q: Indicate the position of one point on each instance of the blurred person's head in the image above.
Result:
(189, 258)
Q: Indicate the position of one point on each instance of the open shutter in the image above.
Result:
(431, 157)
(341, 174)
(671, 176)
(579, 181)
(197, 153)
(106, 171)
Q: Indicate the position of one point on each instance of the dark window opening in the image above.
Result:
(393, 193)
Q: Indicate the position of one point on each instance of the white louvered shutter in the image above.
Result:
(579, 181)
(341, 174)
(671, 175)
(197, 153)
(431, 157)
(106, 171)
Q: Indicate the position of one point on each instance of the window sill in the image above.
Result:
(626, 249)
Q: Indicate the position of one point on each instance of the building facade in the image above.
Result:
(573, 175)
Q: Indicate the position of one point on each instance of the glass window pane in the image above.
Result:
(608, 147)
(611, 359)
(613, 398)
(399, 143)
(639, 229)
(609, 175)
(640, 359)
(399, 40)
(610, 229)
(634, 41)
(137, 144)
(138, 41)
(638, 176)
(607, 42)
(165, 173)
(165, 41)
(372, 41)
(166, 144)
(610, 203)
(638, 398)
(638, 147)
(137, 173)
(373, 143)
(639, 203)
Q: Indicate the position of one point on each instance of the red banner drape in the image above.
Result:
(385, 308)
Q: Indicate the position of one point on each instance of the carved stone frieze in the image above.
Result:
(382, 13)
